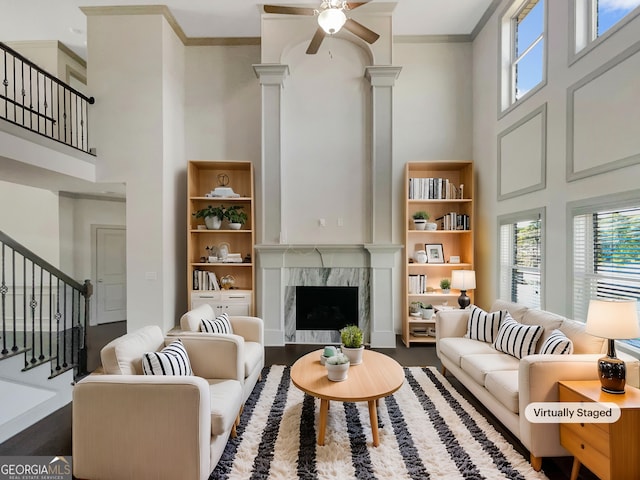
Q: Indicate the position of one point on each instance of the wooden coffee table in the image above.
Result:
(376, 377)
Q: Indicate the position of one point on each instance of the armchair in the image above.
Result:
(249, 329)
(129, 425)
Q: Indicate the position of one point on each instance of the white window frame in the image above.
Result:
(583, 35)
(507, 61)
(621, 201)
(505, 277)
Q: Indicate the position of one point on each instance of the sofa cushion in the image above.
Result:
(516, 310)
(582, 341)
(483, 326)
(557, 344)
(171, 360)
(220, 324)
(479, 365)
(503, 385)
(226, 399)
(549, 322)
(516, 338)
(454, 348)
(123, 355)
(253, 354)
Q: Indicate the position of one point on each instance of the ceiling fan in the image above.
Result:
(331, 18)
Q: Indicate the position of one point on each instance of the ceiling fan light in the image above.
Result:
(331, 20)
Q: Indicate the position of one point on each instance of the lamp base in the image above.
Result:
(463, 300)
(612, 372)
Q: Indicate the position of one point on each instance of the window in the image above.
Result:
(523, 50)
(597, 18)
(606, 256)
(521, 258)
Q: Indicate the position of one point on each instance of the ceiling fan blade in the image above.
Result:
(352, 5)
(288, 10)
(361, 31)
(314, 46)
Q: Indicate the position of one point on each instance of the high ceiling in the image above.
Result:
(64, 21)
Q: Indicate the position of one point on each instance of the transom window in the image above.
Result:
(597, 18)
(521, 258)
(606, 256)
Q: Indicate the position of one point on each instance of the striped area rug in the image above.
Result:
(427, 431)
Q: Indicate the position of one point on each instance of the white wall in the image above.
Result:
(558, 191)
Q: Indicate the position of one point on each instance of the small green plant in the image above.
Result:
(339, 359)
(210, 211)
(421, 215)
(234, 215)
(351, 336)
(427, 306)
(445, 284)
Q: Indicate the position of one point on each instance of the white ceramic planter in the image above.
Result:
(212, 223)
(419, 224)
(427, 313)
(354, 354)
(235, 226)
(337, 373)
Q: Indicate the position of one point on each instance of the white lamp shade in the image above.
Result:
(331, 20)
(614, 319)
(463, 279)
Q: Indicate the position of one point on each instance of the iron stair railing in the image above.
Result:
(44, 312)
(33, 99)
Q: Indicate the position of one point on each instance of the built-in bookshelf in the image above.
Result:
(444, 190)
(216, 255)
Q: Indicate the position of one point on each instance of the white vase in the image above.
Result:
(235, 226)
(419, 224)
(427, 313)
(354, 354)
(337, 373)
(212, 223)
(431, 226)
(420, 256)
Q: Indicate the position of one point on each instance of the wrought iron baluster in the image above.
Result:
(58, 102)
(23, 92)
(32, 306)
(41, 356)
(24, 306)
(58, 315)
(5, 82)
(15, 107)
(13, 287)
(64, 335)
(3, 291)
(50, 314)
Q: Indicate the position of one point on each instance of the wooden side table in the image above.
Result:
(609, 450)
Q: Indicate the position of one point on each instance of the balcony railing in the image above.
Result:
(38, 101)
(43, 312)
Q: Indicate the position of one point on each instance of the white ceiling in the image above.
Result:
(64, 21)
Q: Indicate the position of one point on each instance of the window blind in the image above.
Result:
(520, 261)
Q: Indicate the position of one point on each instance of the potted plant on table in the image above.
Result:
(236, 217)
(337, 367)
(352, 345)
(212, 216)
(445, 285)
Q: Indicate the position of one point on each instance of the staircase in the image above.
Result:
(43, 315)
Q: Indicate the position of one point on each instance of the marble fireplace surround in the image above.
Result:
(369, 267)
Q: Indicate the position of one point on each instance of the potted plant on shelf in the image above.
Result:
(212, 216)
(235, 217)
(352, 346)
(337, 367)
(420, 220)
(445, 285)
(415, 309)
(427, 311)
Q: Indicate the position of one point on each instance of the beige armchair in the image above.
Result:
(130, 425)
(251, 331)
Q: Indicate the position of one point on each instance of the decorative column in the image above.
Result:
(269, 194)
(269, 185)
(385, 292)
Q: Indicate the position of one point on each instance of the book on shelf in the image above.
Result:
(205, 280)
(417, 283)
(431, 188)
(454, 221)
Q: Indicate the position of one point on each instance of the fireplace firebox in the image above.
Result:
(326, 307)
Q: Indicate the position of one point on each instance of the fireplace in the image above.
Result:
(326, 307)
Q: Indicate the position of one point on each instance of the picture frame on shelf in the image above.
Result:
(435, 253)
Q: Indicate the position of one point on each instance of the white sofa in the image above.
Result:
(506, 385)
(248, 330)
(129, 425)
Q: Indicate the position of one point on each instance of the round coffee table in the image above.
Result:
(376, 377)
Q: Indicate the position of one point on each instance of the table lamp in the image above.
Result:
(463, 280)
(612, 319)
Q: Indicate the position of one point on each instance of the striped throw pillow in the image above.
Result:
(557, 344)
(517, 339)
(483, 326)
(221, 324)
(171, 360)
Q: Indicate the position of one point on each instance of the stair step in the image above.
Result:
(13, 353)
(33, 364)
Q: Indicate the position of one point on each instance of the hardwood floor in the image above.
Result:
(52, 435)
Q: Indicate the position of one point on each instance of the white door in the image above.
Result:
(111, 275)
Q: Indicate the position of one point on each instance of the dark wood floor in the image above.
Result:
(52, 435)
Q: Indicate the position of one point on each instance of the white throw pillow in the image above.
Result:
(483, 326)
(557, 344)
(517, 339)
(171, 360)
(221, 324)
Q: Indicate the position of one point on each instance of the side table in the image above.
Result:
(609, 450)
